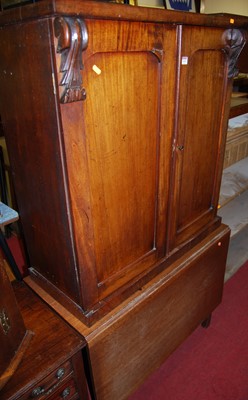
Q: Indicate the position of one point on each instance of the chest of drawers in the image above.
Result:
(52, 366)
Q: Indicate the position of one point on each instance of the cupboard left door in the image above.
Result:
(118, 143)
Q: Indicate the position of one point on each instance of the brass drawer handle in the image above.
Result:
(65, 393)
(60, 373)
(4, 321)
(37, 391)
(40, 390)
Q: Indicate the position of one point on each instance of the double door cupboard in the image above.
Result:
(115, 123)
(116, 132)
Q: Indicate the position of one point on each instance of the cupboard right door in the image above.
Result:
(199, 133)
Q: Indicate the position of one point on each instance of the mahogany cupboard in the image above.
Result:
(115, 119)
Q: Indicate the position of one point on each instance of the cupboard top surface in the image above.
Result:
(105, 10)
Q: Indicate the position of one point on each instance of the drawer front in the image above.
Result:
(66, 391)
(49, 385)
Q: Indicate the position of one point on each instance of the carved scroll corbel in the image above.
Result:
(72, 38)
(234, 41)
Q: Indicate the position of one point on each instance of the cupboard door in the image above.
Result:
(200, 133)
(122, 143)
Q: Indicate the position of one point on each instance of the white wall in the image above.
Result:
(239, 7)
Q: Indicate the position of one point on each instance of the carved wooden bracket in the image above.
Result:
(234, 40)
(72, 40)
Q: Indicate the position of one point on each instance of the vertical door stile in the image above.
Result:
(175, 157)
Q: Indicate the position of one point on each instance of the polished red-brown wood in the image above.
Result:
(134, 338)
(53, 361)
(201, 131)
(144, 332)
(115, 123)
(116, 156)
(106, 10)
(121, 123)
(14, 336)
